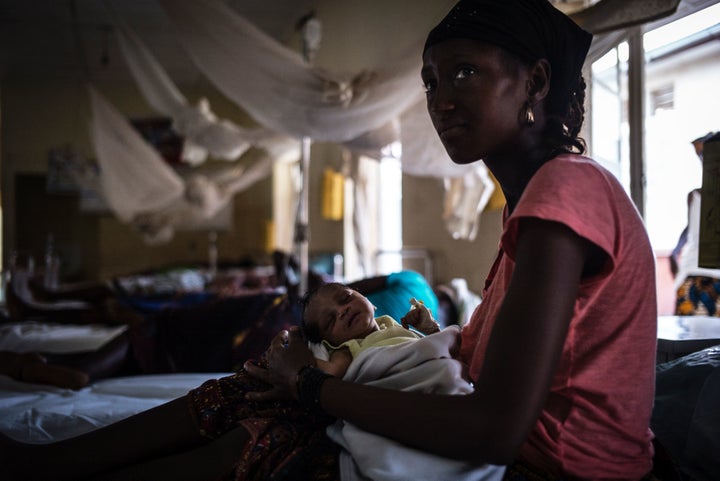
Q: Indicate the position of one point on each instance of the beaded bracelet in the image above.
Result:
(309, 381)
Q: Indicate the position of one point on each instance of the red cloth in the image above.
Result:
(595, 423)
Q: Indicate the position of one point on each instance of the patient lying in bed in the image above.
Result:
(62, 355)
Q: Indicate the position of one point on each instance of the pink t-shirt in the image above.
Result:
(595, 423)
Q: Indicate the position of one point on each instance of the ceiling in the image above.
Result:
(74, 38)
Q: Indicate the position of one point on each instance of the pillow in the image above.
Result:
(394, 299)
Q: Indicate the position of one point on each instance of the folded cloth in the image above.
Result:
(424, 365)
(30, 336)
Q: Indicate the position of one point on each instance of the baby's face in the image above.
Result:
(341, 314)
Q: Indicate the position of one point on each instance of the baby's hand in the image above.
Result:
(420, 318)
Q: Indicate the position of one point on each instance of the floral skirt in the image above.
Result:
(286, 442)
(698, 295)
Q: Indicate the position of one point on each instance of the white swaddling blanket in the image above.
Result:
(424, 365)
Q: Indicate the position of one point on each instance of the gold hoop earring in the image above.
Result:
(529, 115)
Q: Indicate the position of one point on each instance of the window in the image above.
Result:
(609, 113)
(682, 66)
(662, 98)
(390, 198)
(373, 233)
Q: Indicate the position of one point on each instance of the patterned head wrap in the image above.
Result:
(530, 29)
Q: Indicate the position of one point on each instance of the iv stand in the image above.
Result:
(312, 33)
(302, 227)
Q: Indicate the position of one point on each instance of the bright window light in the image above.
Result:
(672, 32)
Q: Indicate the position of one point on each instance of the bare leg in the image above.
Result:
(105, 362)
(33, 367)
(161, 431)
(209, 461)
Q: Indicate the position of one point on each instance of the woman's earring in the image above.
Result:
(529, 115)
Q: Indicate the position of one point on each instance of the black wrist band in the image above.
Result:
(309, 381)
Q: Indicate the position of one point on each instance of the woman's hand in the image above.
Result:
(287, 354)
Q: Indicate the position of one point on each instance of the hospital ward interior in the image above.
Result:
(176, 174)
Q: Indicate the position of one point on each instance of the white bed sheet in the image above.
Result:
(39, 414)
(56, 338)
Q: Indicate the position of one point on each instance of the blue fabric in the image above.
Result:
(151, 304)
(394, 300)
